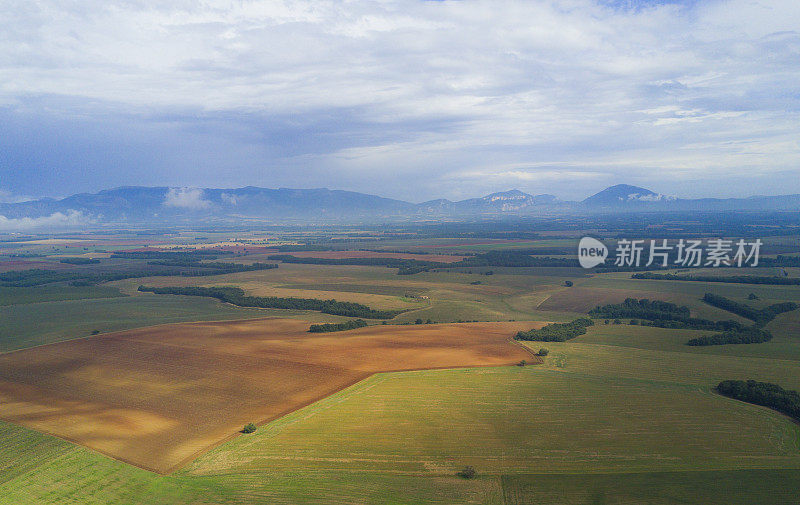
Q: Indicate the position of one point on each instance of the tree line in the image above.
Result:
(669, 315)
(644, 309)
(736, 279)
(763, 393)
(236, 296)
(79, 261)
(194, 254)
(501, 258)
(759, 316)
(404, 266)
(38, 276)
(329, 327)
(742, 336)
(556, 332)
(660, 315)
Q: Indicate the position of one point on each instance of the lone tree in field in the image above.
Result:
(543, 352)
(249, 428)
(467, 472)
(522, 363)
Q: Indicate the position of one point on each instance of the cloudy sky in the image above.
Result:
(407, 99)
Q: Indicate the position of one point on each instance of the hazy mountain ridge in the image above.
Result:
(135, 204)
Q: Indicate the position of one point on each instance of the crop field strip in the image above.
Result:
(159, 396)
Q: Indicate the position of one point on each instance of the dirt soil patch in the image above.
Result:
(160, 396)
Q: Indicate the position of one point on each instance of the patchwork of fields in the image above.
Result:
(623, 414)
(158, 396)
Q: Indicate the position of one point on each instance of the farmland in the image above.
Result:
(391, 434)
(153, 402)
(156, 397)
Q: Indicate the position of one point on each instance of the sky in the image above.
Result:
(406, 99)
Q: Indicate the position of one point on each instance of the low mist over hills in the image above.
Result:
(159, 205)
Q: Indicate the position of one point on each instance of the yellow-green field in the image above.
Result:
(400, 437)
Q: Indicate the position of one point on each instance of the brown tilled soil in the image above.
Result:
(158, 397)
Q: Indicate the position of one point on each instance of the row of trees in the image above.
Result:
(38, 276)
(329, 327)
(512, 258)
(692, 323)
(557, 332)
(738, 279)
(236, 296)
(500, 258)
(660, 314)
(79, 261)
(742, 336)
(223, 267)
(404, 266)
(763, 393)
(642, 309)
(759, 316)
(195, 254)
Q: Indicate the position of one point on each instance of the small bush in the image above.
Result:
(522, 363)
(568, 284)
(95, 332)
(634, 322)
(249, 428)
(617, 321)
(543, 351)
(467, 472)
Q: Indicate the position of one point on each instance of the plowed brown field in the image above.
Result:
(157, 397)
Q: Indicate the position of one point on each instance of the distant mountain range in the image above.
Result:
(154, 205)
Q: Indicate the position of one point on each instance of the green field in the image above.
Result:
(20, 296)
(400, 437)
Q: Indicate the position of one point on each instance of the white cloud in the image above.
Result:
(454, 85)
(186, 198)
(654, 197)
(71, 219)
(228, 198)
(9, 197)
